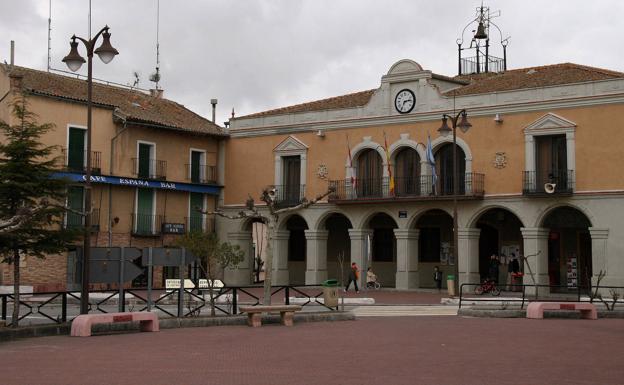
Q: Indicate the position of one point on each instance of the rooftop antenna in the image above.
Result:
(155, 77)
(49, 35)
(480, 42)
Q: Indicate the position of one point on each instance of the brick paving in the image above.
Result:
(394, 350)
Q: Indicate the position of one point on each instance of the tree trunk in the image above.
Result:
(210, 287)
(268, 265)
(16, 288)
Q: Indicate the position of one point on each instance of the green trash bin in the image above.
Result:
(330, 292)
(450, 285)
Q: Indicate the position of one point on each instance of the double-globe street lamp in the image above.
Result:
(445, 130)
(74, 61)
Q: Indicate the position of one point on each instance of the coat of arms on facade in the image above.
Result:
(500, 160)
(321, 171)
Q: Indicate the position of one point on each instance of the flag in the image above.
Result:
(353, 180)
(431, 161)
(389, 165)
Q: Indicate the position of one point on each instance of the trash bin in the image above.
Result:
(516, 279)
(330, 292)
(450, 285)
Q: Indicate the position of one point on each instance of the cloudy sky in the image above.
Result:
(255, 55)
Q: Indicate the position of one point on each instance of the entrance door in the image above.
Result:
(488, 245)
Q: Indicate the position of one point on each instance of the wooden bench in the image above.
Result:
(81, 325)
(535, 310)
(254, 313)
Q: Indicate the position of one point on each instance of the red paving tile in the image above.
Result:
(402, 350)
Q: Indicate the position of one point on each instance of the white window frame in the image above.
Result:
(152, 164)
(136, 208)
(80, 127)
(202, 160)
(204, 205)
(290, 146)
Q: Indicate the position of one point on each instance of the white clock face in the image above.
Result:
(404, 101)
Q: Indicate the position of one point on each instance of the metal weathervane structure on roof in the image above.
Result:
(482, 61)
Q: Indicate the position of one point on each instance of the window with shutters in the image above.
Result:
(145, 162)
(196, 220)
(145, 219)
(75, 201)
(76, 146)
(369, 174)
(407, 172)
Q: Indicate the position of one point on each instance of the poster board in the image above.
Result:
(572, 270)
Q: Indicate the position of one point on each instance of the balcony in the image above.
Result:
(76, 161)
(76, 221)
(534, 182)
(144, 225)
(288, 195)
(206, 225)
(201, 173)
(407, 189)
(149, 168)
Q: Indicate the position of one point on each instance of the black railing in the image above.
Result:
(470, 65)
(471, 185)
(60, 306)
(517, 294)
(149, 168)
(206, 225)
(76, 161)
(288, 195)
(76, 220)
(201, 173)
(147, 225)
(554, 182)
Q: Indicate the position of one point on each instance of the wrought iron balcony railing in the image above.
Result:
(77, 221)
(424, 187)
(149, 168)
(473, 65)
(288, 195)
(76, 161)
(206, 225)
(201, 173)
(147, 225)
(555, 182)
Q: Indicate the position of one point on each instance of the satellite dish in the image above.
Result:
(549, 188)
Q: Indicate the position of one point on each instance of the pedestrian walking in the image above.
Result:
(437, 277)
(354, 274)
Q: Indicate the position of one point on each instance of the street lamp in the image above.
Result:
(74, 61)
(445, 130)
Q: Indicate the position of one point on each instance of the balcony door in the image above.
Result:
(198, 167)
(369, 174)
(551, 163)
(407, 172)
(146, 160)
(196, 219)
(291, 179)
(144, 222)
(76, 144)
(444, 165)
(75, 201)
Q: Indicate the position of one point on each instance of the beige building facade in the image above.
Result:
(153, 162)
(538, 176)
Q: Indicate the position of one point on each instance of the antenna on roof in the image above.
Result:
(155, 77)
(137, 79)
(49, 35)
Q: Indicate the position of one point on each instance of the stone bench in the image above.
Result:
(254, 313)
(81, 325)
(535, 310)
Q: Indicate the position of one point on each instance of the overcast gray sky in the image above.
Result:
(255, 55)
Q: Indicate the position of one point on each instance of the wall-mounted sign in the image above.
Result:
(173, 228)
(402, 214)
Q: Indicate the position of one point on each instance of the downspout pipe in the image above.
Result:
(116, 115)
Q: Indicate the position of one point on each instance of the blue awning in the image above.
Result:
(132, 182)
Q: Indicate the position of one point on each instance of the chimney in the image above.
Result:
(15, 81)
(156, 93)
(12, 53)
(214, 110)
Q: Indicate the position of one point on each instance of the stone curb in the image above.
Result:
(8, 334)
(516, 313)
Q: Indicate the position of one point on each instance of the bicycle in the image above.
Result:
(373, 285)
(487, 286)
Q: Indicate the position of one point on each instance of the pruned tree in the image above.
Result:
(213, 254)
(30, 198)
(270, 220)
(615, 294)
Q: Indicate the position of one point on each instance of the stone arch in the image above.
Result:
(246, 224)
(404, 65)
(364, 220)
(320, 222)
(546, 212)
(411, 223)
(366, 143)
(472, 222)
(405, 141)
(283, 223)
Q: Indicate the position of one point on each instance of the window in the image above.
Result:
(198, 167)
(196, 219)
(146, 160)
(444, 164)
(76, 154)
(407, 172)
(145, 219)
(551, 161)
(369, 174)
(75, 201)
(291, 180)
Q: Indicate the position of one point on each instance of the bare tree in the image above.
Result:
(270, 220)
(615, 295)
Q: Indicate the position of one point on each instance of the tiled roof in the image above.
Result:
(543, 76)
(134, 105)
(533, 77)
(356, 99)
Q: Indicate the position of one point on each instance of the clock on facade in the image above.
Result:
(404, 101)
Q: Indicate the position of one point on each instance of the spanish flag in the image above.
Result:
(389, 165)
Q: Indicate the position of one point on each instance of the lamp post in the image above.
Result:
(445, 130)
(74, 61)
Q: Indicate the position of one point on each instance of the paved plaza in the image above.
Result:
(370, 350)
